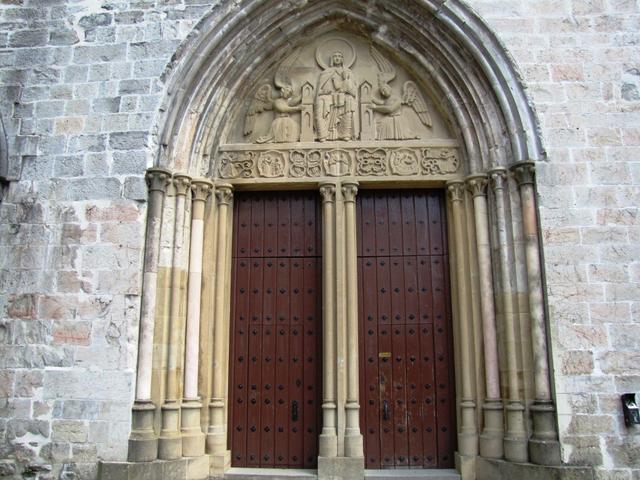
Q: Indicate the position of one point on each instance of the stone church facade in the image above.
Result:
(334, 237)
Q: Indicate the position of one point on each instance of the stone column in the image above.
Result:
(493, 432)
(217, 431)
(353, 436)
(170, 442)
(515, 440)
(544, 447)
(468, 436)
(192, 435)
(328, 446)
(143, 443)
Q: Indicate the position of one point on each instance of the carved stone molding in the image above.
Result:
(477, 184)
(498, 178)
(360, 159)
(524, 172)
(181, 182)
(328, 192)
(349, 191)
(224, 194)
(456, 190)
(201, 188)
(157, 179)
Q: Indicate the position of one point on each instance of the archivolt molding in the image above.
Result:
(469, 72)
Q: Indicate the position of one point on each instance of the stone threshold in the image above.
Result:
(427, 474)
(237, 473)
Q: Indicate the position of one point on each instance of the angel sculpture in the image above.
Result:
(393, 125)
(283, 127)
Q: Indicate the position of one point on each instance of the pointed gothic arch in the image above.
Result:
(180, 411)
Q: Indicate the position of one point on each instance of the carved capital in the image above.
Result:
(224, 194)
(328, 192)
(157, 179)
(349, 191)
(524, 172)
(498, 178)
(477, 185)
(201, 188)
(455, 190)
(181, 182)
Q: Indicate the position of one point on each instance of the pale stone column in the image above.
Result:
(544, 447)
(468, 435)
(192, 435)
(143, 443)
(491, 439)
(515, 440)
(353, 436)
(217, 431)
(170, 441)
(328, 446)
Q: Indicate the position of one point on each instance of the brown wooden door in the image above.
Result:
(406, 367)
(276, 324)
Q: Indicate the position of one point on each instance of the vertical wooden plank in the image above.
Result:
(282, 407)
(240, 362)
(311, 247)
(254, 363)
(242, 233)
(382, 226)
(394, 220)
(423, 246)
(408, 224)
(434, 204)
(267, 414)
(270, 226)
(284, 226)
(368, 223)
(257, 226)
(297, 225)
(309, 408)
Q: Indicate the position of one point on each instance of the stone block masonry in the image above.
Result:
(81, 88)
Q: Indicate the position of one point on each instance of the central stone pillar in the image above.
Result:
(217, 431)
(328, 442)
(341, 310)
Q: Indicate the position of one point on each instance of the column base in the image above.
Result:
(143, 442)
(544, 447)
(515, 439)
(466, 466)
(493, 469)
(193, 438)
(491, 439)
(340, 468)
(219, 462)
(170, 440)
(328, 444)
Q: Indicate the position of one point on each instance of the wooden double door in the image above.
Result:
(407, 396)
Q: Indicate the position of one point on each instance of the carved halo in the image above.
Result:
(326, 49)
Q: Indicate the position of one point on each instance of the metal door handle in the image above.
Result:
(385, 410)
(294, 411)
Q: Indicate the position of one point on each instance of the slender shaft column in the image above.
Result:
(468, 436)
(217, 431)
(170, 442)
(143, 443)
(328, 446)
(192, 435)
(544, 447)
(515, 440)
(353, 436)
(492, 435)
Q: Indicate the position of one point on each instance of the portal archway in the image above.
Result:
(472, 90)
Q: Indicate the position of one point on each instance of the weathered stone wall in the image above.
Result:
(80, 86)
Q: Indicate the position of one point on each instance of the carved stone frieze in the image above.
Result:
(360, 159)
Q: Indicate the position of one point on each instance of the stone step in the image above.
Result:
(293, 474)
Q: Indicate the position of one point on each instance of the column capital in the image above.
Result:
(349, 190)
(181, 182)
(201, 188)
(157, 179)
(328, 192)
(524, 172)
(498, 178)
(224, 193)
(455, 189)
(477, 184)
